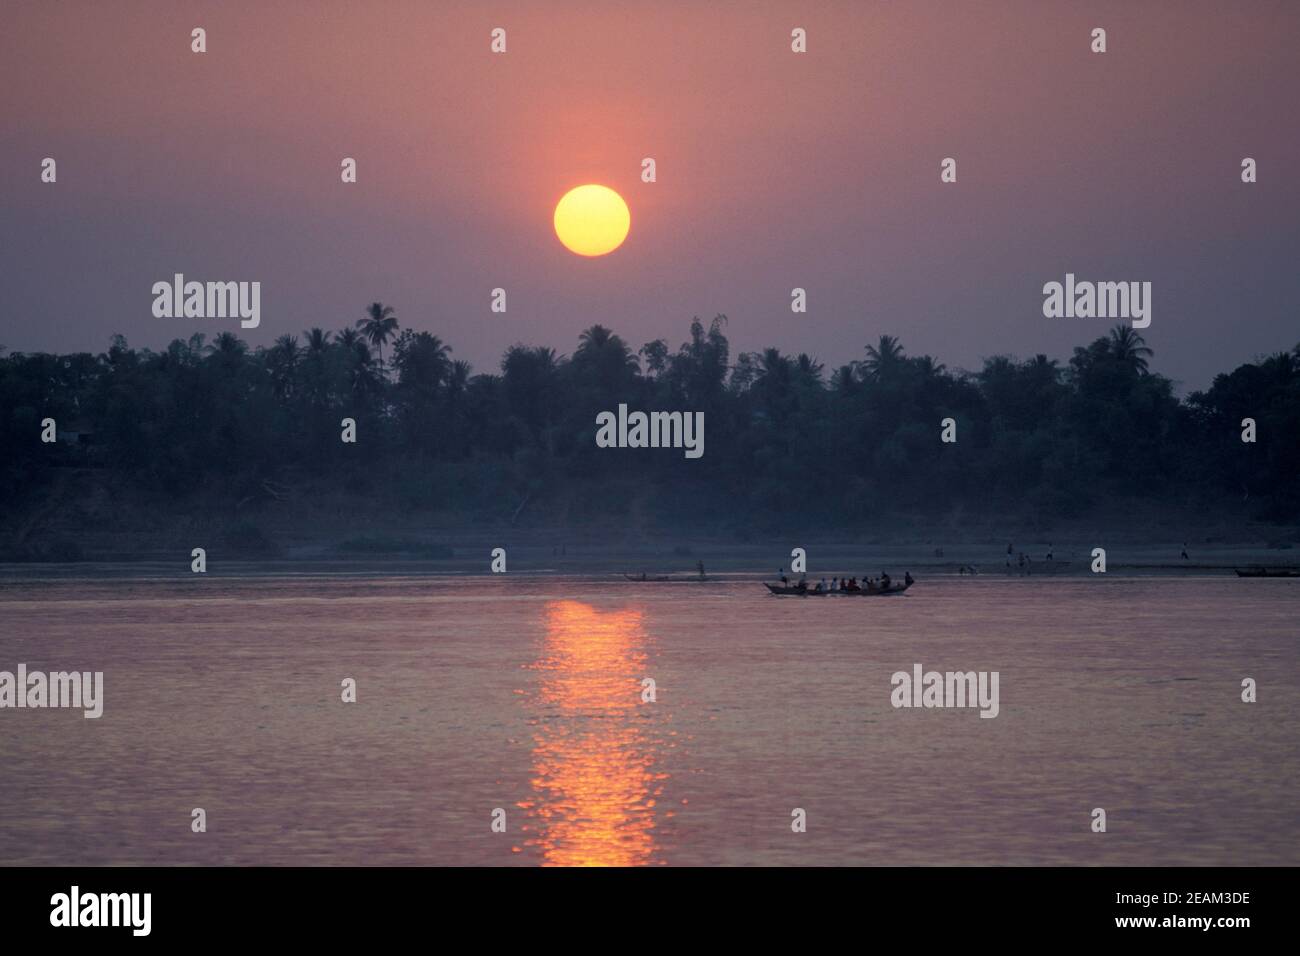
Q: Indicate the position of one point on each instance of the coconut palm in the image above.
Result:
(227, 345)
(318, 340)
(1129, 348)
(378, 326)
(421, 360)
(282, 362)
(884, 358)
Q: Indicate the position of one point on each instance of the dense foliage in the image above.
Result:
(783, 437)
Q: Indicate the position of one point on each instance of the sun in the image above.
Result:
(592, 220)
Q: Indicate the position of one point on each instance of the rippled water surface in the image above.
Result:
(527, 695)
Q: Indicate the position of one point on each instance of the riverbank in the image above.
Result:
(721, 560)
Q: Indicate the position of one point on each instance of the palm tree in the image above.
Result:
(379, 325)
(604, 360)
(457, 379)
(809, 369)
(884, 358)
(421, 360)
(318, 340)
(1129, 348)
(363, 378)
(282, 361)
(844, 381)
(227, 345)
(928, 367)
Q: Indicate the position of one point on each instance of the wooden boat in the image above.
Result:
(1268, 572)
(794, 590)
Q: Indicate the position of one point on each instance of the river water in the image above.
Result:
(525, 701)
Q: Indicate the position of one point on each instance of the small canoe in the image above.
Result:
(1268, 572)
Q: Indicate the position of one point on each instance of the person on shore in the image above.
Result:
(784, 580)
(699, 566)
(1185, 557)
(907, 578)
(884, 580)
(1049, 551)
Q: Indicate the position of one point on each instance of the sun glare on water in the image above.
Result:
(592, 220)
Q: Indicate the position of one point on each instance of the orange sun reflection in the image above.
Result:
(593, 761)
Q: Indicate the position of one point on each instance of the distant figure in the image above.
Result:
(962, 569)
(1009, 548)
(907, 578)
(1049, 552)
(784, 579)
(884, 580)
(699, 566)
(1185, 557)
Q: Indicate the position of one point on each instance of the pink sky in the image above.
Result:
(775, 170)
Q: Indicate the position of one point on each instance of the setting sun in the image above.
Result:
(592, 220)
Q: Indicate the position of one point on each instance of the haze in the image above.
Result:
(775, 170)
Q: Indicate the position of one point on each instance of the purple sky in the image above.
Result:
(775, 170)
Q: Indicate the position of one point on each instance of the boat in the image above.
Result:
(1268, 572)
(794, 590)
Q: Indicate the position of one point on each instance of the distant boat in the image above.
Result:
(1268, 572)
(794, 590)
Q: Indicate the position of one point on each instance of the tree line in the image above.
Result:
(789, 442)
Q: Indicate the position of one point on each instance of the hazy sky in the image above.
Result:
(775, 170)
